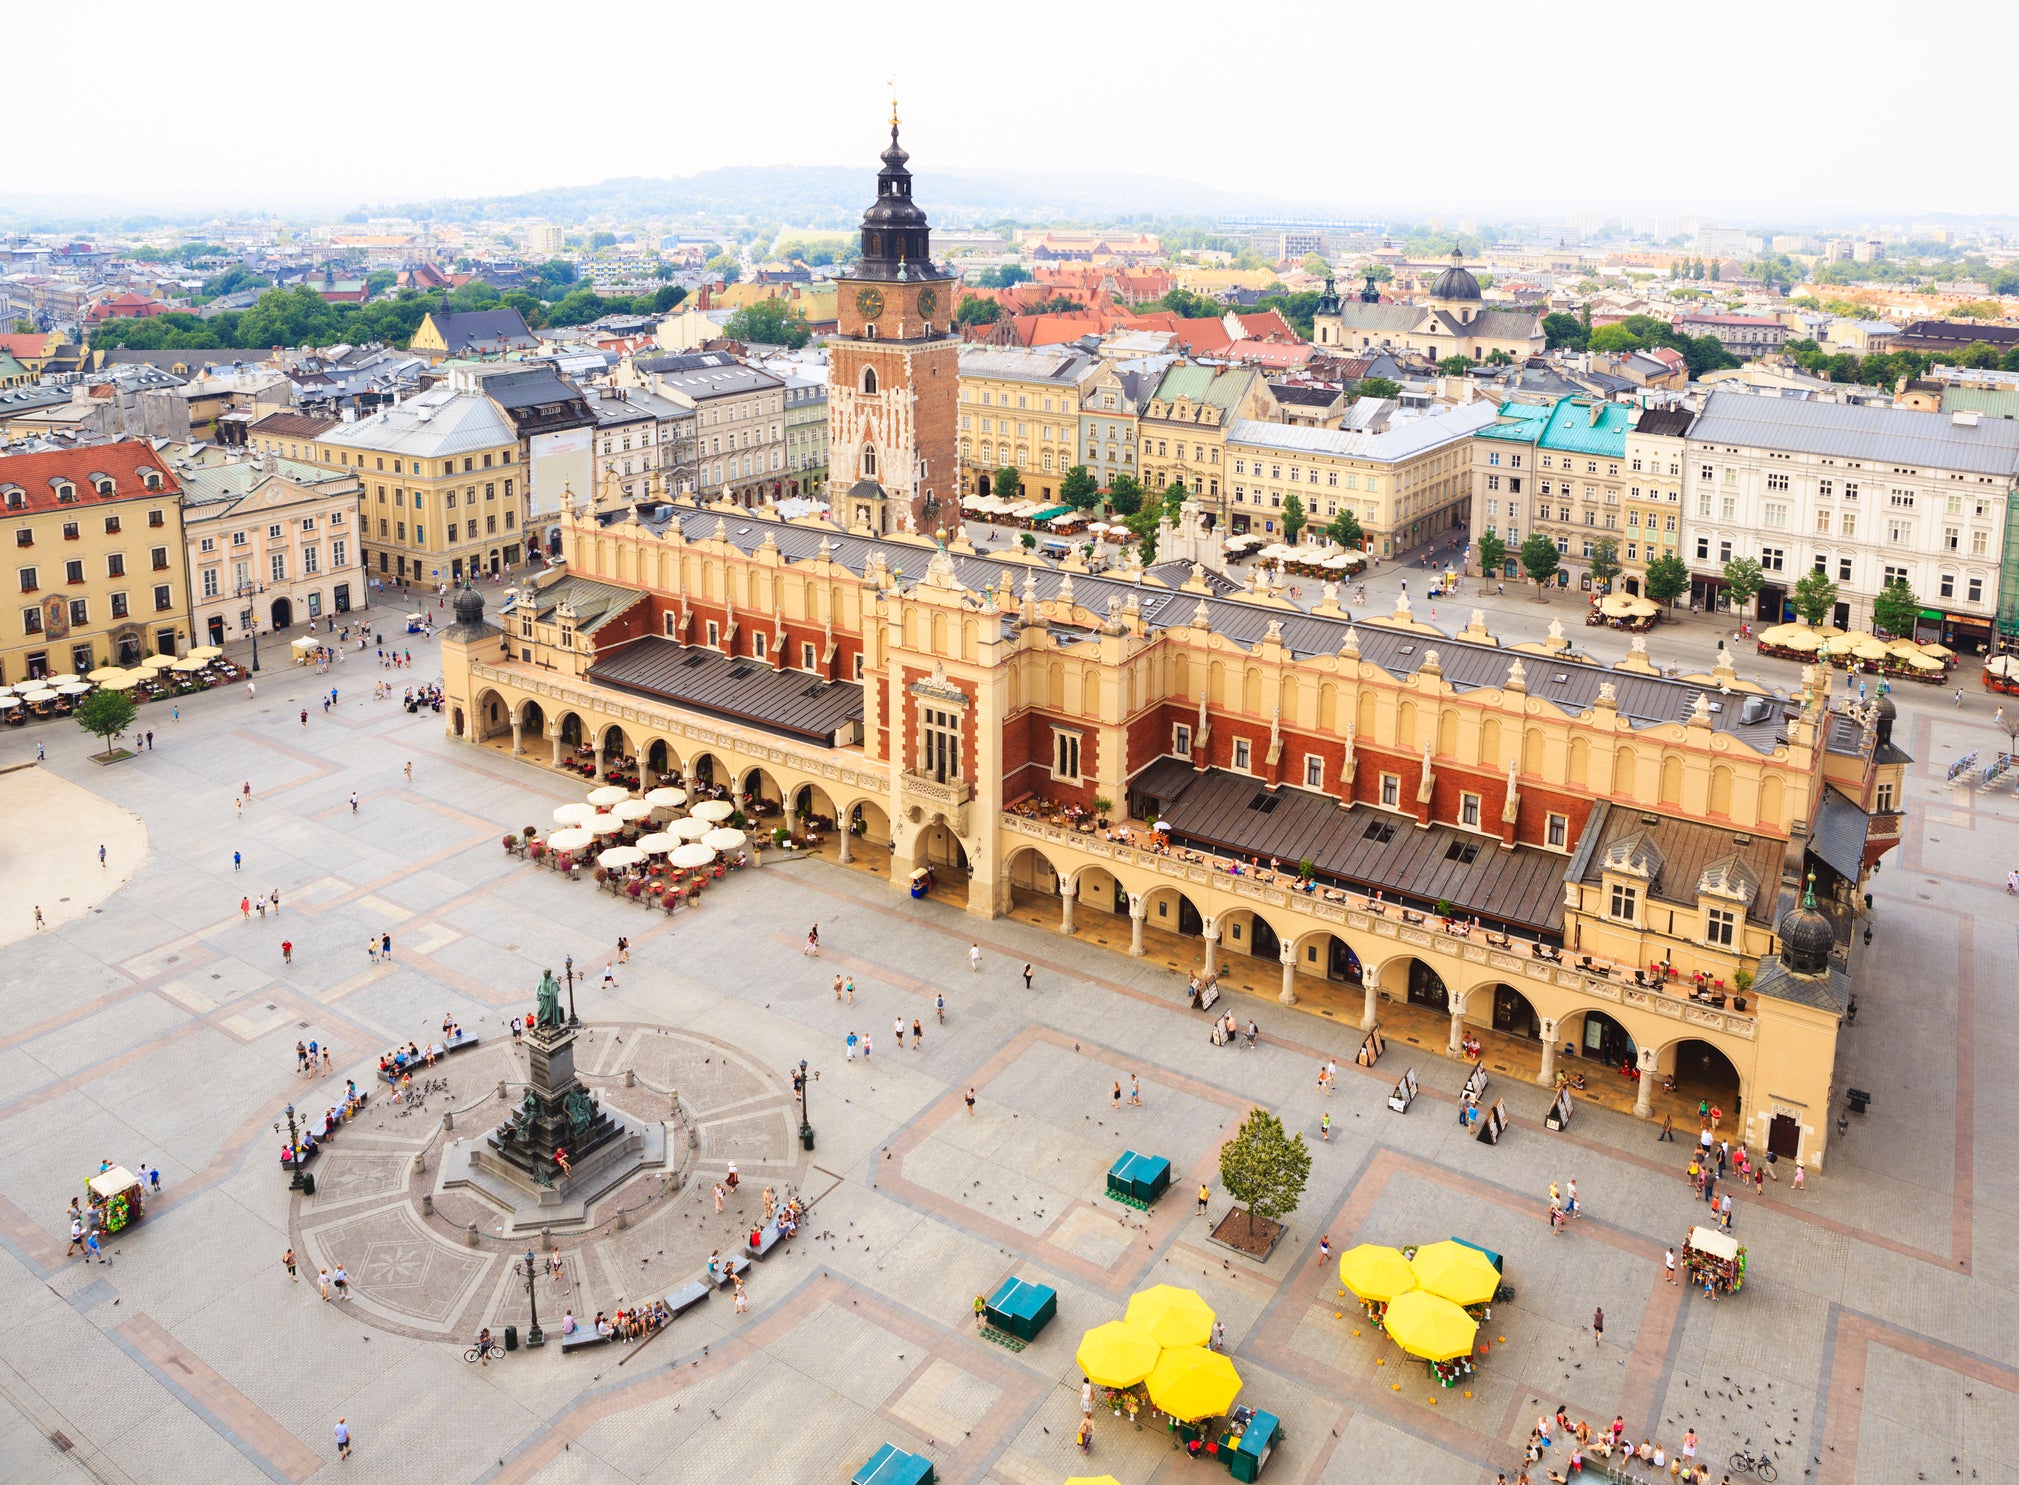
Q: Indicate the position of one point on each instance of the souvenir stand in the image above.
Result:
(115, 1196)
(1404, 1094)
(1714, 1258)
(1371, 1048)
(1492, 1123)
(1558, 1116)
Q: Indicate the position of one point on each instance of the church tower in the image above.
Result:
(894, 370)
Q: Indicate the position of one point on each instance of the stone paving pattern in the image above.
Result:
(151, 1023)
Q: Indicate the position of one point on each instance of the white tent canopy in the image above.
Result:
(608, 795)
(570, 840)
(723, 840)
(689, 856)
(713, 809)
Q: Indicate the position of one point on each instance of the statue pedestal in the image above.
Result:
(473, 1166)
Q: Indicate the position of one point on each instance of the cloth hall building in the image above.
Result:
(1654, 875)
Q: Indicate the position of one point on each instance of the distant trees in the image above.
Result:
(1605, 561)
(1814, 597)
(769, 322)
(1667, 578)
(1004, 277)
(1293, 518)
(1079, 489)
(975, 310)
(1564, 332)
(1376, 386)
(1895, 608)
(1185, 304)
(1344, 529)
(1540, 560)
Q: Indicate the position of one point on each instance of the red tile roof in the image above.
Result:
(26, 347)
(127, 463)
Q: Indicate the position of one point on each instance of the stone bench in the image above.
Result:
(767, 1238)
(730, 1270)
(686, 1297)
(438, 1051)
(584, 1337)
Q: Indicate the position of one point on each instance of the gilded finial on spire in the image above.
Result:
(892, 83)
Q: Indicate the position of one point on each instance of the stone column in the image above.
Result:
(599, 762)
(1643, 1103)
(791, 819)
(1547, 1077)
(1069, 892)
(1210, 931)
(847, 843)
(1368, 1015)
(1453, 1048)
(1139, 910)
(518, 739)
(1287, 954)
(555, 736)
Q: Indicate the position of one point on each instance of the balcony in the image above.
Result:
(949, 794)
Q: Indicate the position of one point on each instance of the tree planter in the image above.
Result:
(1233, 1232)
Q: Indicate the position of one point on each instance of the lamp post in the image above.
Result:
(573, 1019)
(243, 592)
(534, 1335)
(294, 1144)
(799, 1082)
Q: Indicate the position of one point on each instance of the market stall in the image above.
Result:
(1021, 1308)
(890, 1465)
(1715, 1260)
(1137, 1180)
(1434, 1330)
(1176, 1317)
(2001, 673)
(115, 1196)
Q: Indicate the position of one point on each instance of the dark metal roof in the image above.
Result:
(1359, 845)
(1644, 700)
(1685, 848)
(1828, 992)
(1838, 839)
(789, 702)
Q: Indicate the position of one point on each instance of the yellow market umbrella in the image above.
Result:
(1865, 647)
(106, 673)
(1903, 647)
(1117, 1354)
(1452, 1271)
(1781, 633)
(1176, 1317)
(1940, 652)
(1424, 1325)
(119, 683)
(1376, 1273)
(1799, 639)
(1924, 662)
(1617, 605)
(1093, 1480)
(1191, 1382)
(205, 652)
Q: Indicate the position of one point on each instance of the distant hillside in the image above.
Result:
(834, 196)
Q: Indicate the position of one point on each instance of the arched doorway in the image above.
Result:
(571, 731)
(614, 746)
(814, 805)
(1173, 912)
(129, 649)
(704, 769)
(1633, 586)
(532, 722)
(1702, 1073)
(492, 717)
(1251, 933)
(1603, 1039)
(1330, 956)
(283, 613)
(981, 484)
(1426, 987)
(661, 758)
(1099, 891)
(1513, 1015)
(867, 822)
(763, 789)
(1032, 878)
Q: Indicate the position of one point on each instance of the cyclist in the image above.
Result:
(939, 1004)
(484, 1345)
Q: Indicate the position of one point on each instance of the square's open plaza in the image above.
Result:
(153, 1021)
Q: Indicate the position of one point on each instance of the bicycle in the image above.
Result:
(1747, 1463)
(475, 1354)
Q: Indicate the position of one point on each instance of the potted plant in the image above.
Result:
(529, 832)
(1443, 908)
(1742, 981)
(1306, 871)
(780, 836)
(537, 848)
(1102, 806)
(602, 874)
(511, 843)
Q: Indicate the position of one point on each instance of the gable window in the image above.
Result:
(1468, 810)
(1623, 900)
(1720, 926)
(1557, 831)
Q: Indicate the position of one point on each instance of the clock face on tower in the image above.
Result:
(870, 302)
(928, 301)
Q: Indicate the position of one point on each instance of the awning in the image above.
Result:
(1838, 840)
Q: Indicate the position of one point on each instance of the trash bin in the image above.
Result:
(806, 1136)
(511, 1337)
(308, 1183)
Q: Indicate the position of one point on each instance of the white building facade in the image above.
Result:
(1861, 494)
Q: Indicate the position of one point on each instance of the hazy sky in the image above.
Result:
(1761, 108)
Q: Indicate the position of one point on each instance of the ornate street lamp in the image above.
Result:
(799, 1082)
(294, 1143)
(534, 1335)
(569, 965)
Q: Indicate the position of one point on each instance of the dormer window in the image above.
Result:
(66, 492)
(103, 485)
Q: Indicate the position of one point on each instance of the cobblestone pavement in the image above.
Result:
(1871, 1344)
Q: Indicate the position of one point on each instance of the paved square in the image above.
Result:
(154, 1022)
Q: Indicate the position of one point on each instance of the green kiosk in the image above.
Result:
(1021, 1308)
(1137, 1180)
(890, 1465)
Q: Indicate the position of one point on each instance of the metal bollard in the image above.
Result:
(449, 1119)
(470, 1235)
(547, 1238)
(623, 1219)
(427, 1204)
(630, 1077)
(501, 1090)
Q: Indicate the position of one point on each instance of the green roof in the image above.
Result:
(1993, 402)
(1580, 426)
(1224, 387)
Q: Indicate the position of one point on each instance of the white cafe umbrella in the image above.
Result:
(105, 673)
(306, 643)
(205, 652)
(574, 814)
(119, 683)
(666, 798)
(687, 857)
(620, 856)
(608, 795)
(713, 809)
(72, 688)
(605, 825)
(570, 840)
(723, 840)
(659, 844)
(631, 809)
(187, 664)
(8, 703)
(689, 829)
(39, 693)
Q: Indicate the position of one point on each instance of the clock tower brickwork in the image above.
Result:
(894, 371)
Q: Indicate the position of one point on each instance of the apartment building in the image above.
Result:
(1571, 458)
(739, 421)
(99, 564)
(1021, 407)
(1862, 494)
(271, 543)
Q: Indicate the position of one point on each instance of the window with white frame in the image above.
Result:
(1720, 927)
(1556, 831)
(1314, 771)
(1623, 900)
(1468, 810)
(1181, 740)
(1065, 755)
(939, 743)
(1391, 790)
(1244, 753)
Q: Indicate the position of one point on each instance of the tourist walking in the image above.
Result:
(917, 1035)
(1203, 1194)
(837, 989)
(287, 1262)
(1668, 1261)
(1597, 1326)
(1135, 1092)
(974, 950)
(970, 1103)
(1027, 977)
(343, 1431)
(237, 861)
(813, 941)
(897, 1029)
